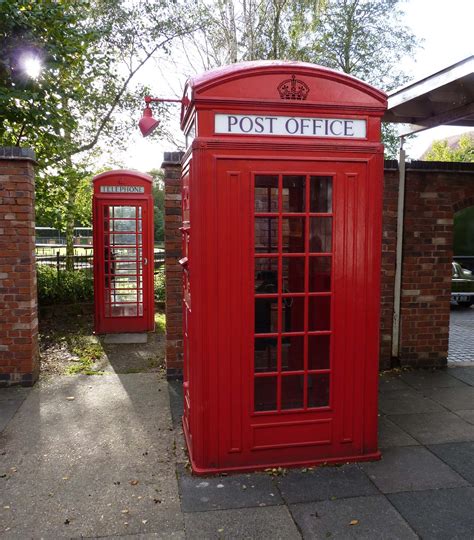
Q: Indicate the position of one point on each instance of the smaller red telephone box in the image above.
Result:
(282, 213)
(123, 252)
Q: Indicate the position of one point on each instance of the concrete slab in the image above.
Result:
(360, 517)
(125, 338)
(389, 382)
(223, 492)
(94, 465)
(466, 415)
(435, 428)
(11, 399)
(463, 374)
(411, 468)
(273, 522)
(425, 379)
(459, 456)
(391, 435)
(324, 483)
(407, 402)
(438, 514)
(454, 399)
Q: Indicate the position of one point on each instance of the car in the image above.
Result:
(462, 286)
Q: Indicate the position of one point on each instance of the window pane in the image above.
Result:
(265, 355)
(266, 235)
(319, 274)
(124, 225)
(265, 393)
(266, 193)
(320, 234)
(266, 275)
(320, 194)
(123, 211)
(292, 392)
(294, 193)
(319, 313)
(318, 390)
(266, 315)
(292, 353)
(293, 235)
(293, 274)
(318, 352)
(293, 314)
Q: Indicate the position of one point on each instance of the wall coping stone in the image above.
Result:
(172, 158)
(17, 152)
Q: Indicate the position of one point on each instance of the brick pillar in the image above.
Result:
(19, 356)
(174, 278)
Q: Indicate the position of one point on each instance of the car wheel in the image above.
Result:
(466, 304)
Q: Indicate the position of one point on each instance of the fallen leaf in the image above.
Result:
(6, 507)
(66, 522)
(70, 398)
(134, 482)
(354, 522)
(220, 530)
(125, 511)
(144, 521)
(65, 477)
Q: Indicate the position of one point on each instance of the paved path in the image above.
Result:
(461, 336)
(109, 464)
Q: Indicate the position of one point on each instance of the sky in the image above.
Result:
(447, 33)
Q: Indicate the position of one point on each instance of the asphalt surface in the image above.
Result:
(110, 463)
(461, 336)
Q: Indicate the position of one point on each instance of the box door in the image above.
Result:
(124, 275)
(307, 325)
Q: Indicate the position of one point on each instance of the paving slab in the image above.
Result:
(428, 379)
(125, 338)
(323, 483)
(90, 456)
(459, 456)
(200, 494)
(407, 402)
(453, 399)
(463, 374)
(435, 428)
(391, 435)
(411, 468)
(467, 415)
(371, 517)
(441, 513)
(273, 522)
(11, 399)
(389, 382)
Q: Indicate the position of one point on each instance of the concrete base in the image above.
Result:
(125, 338)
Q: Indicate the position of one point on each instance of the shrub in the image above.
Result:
(69, 287)
(160, 284)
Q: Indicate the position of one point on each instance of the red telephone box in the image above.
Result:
(282, 193)
(123, 252)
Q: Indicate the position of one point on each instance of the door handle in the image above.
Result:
(145, 261)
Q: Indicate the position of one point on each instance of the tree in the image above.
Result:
(91, 52)
(461, 149)
(159, 203)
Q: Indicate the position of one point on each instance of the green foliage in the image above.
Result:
(68, 287)
(160, 284)
(462, 151)
(463, 233)
(87, 353)
(160, 323)
(159, 203)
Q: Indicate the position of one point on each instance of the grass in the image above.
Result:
(87, 352)
(160, 323)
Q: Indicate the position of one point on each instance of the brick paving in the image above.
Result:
(461, 336)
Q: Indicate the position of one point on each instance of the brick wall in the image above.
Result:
(174, 278)
(19, 358)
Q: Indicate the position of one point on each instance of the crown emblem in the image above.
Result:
(293, 89)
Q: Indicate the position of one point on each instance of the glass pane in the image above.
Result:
(266, 275)
(266, 315)
(292, 353)
(126, 239)
(265, 355)
(293, 274)
(266, 235)
(266, 193)
(293, 235)
(292, 391)
(318, 352)
(318, 390)
(320, 194)
(294, 194)
(319, 274)
(293, 314)
(124, 310)
(319, 313)
(123, 225)
(123, 211)
(320, 235)
(265, 393)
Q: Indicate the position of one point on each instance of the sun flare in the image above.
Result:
(31, 66)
